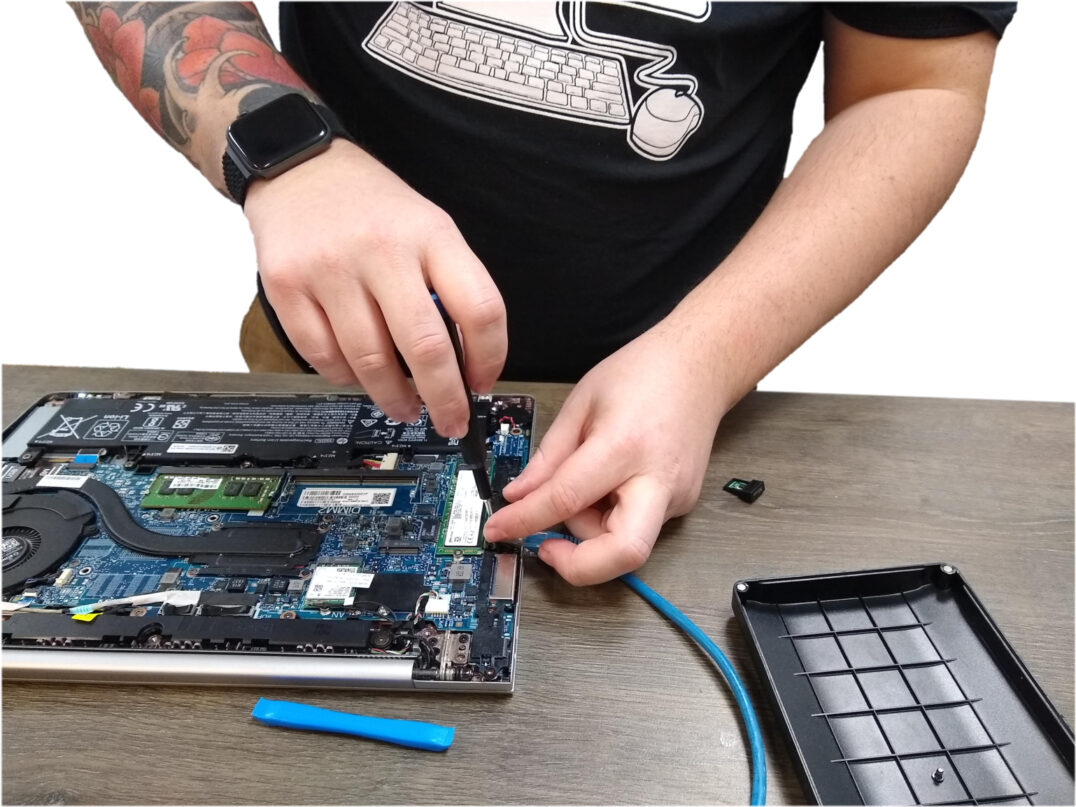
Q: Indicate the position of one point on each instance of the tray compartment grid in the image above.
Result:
(880, 680)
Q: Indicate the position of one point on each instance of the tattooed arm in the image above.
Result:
(349, 296)
(190, 69)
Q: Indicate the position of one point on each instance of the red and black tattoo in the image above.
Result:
(189, 69)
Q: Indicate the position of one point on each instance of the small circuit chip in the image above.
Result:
(237, 585)
(460, 573)
(278, 585)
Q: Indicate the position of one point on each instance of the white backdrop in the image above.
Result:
(117, 253)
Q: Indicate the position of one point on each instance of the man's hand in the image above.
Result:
(348, 254)
(626, 453)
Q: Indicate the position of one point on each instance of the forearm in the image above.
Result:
(189, 69)
(862, 192)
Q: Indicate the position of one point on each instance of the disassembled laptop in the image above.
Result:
(257, 539)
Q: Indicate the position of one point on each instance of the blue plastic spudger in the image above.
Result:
(409, 733)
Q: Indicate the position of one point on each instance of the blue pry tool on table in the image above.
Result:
(408, 733)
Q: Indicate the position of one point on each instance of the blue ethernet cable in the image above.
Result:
(678, 618)
(743, 701)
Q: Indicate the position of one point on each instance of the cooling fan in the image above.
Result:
(40, 532)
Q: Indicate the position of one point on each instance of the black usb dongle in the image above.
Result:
(747, 491)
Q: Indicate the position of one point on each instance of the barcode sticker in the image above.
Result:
(199, 482)
(466, 518)
(202, 448)
(347, 497)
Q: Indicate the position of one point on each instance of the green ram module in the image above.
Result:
(211, 491)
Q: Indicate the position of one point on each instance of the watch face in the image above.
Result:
(277, 131)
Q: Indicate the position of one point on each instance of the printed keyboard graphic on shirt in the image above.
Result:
(482, 62)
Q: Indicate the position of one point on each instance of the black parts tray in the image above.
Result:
(894, 686)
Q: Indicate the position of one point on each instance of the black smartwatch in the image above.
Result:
(269, 140)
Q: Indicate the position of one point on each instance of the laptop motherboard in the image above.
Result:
(269, 525)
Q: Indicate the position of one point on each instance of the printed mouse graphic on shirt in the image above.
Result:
(542, 58)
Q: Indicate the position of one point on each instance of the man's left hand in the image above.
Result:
(626, 453)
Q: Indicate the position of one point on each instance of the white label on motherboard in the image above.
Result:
(199, 482)
(203, 448)
(466, 519)
(347, 497)
(337, 583)
(62, 481)
(364, 580)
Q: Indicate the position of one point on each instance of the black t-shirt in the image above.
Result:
(600, 159)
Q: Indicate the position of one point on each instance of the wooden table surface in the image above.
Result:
(613, 705)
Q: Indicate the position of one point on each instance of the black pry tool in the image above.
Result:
(473, 443)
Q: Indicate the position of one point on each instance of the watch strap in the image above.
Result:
(234, 179)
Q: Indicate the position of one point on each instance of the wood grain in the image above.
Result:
(613, 705)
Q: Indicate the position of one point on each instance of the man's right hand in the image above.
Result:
(348, 254)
